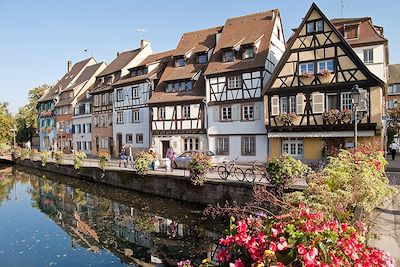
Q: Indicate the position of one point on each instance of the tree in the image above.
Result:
(6, 124)
(27, 116)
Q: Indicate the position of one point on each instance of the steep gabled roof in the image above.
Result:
(347, 50)
(244, 30)
(120, 62)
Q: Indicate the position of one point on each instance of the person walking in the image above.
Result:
(130, 155)
(122, 157)
(171, 156)
(52, 151)
(393, 148)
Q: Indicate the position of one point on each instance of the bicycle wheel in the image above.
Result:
(250, 175)
(222, 172)
(239, 174)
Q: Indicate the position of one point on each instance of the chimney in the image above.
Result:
(143, 43)
(69, 65)
(117, 54)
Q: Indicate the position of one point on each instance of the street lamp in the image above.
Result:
(14, 130)
(355, 97)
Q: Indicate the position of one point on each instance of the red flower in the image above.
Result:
(301, 249)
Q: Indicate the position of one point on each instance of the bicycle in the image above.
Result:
(256, 172)
(229, 168)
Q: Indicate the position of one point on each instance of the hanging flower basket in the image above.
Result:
(346, 115)
(49, 129)
(332, 116)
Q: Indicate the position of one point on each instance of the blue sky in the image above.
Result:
(38, 37)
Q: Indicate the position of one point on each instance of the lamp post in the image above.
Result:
(355, 99)
(14, 130)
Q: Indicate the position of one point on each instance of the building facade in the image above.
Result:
(82, 125)
(132, 92)
(240, 66)
(308, 101)
(178, 103)
(393, 92)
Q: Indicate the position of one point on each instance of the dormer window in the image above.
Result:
(180, 62)
(139, 71)
(351, 31)
(203, 58)
(179, 86)
(227, 56)
(315, 26)
(109, 80)
(248, 52)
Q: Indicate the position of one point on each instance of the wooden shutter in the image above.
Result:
(216, 113)
(300, 103)
(318, 103)
(236, 112)
(257, 111)
(275, 105)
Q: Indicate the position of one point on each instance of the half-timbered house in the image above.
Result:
(245, 56)
(103, 95)
(178, 102)
(308, 101)
(132, 125)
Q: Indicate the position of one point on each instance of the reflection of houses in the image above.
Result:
(308, 98)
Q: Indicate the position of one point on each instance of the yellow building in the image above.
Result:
(308, 101)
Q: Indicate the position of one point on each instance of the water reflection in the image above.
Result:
(104, 225)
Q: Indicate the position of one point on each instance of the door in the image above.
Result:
(111, 145)
(119, 144)
(165, 146)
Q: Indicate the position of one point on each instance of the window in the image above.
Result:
(222, 145)
(191, 144)
(180, 62)
(169, 88)
(234, 82)
(105, 99)
(248, 112)
(227, 56)
(89, 128)
(84, 146)
(109, 80)
(331, 101)
(120, 95)
(350, 31)
(139, 71)
(325, 65)
(394, 89)
(390, 104)
(248, 53)
(226, 113)
(179, 86)
(186, 112)
(293, 147)
(368, 55)
(78, 146)
(139, 138)
(203, 58)
(120, 117)
(292, 104)
(129, 138)
(248, 145)
(161, 113)
(135, 91)
(189, 85)
(315, 26)
(345, 101)
(306, 68)
(284, 105)
(135, 115)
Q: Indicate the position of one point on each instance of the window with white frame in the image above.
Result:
(120, 117)
(394, 89)
(248, 146)
(345, 101)
(292, 104)
(135, 115)
(139, 138)
(315, 26)
(284, 105)
(161, 113)
(129, 138)
(247, 112)
(368, 55)
(293, 147)
(120, 95)
(135, 91)
(186, 112)
(331, 101)
(248, 52)
(325, 65)
(105, 99)
(191, 144)
(226, 113)
(234, 82)
(222, 145)
(306, 68)
(227, 56)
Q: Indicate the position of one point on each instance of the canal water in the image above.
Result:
(51, 220)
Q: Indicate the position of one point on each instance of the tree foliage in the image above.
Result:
(6, 124)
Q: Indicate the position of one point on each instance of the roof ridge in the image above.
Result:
(202, 30)
(254, 14)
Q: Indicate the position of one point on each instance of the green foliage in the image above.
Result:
(198, 167)
(78, 158)
(59, 155)
(142, 162)
(103, 160)
(4, 148)
(6, 124)
(281, 171)
(24, 153)
(44, 155)
(32, 154)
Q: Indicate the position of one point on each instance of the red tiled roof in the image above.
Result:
(120, 62)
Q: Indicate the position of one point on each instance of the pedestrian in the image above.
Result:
(393, 148)
(130, 155)
(28, 145)
(52, 151)
(171, 156)
(122, 156)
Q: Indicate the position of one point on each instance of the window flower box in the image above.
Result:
(332, 116)
(287, 118)
(307, 74)
(324, 73)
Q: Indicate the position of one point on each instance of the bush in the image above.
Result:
(198, 167)
(59, 155)
(32, 154)
(24, 153)
(4, 148)
(103, 160)
(44, 156)
(78, 158)
(142, 162)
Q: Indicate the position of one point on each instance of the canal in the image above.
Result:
(51, 220)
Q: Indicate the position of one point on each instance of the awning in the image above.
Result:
(320, 134)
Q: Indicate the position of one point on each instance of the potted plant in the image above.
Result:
(332, 116)
(143, 161)
(59, 155)
(346, 115)
(78, 158)
(287, 118)
(198, 167)
(103, 160)
(44, 155)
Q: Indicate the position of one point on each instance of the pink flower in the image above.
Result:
(301, 249)
(273, 246)
(238, 263)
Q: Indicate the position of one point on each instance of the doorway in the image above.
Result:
(119, 142)
(165, 146)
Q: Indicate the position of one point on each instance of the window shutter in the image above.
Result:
(318, 103)
(141, 115)
(257, 111)
(275, 105)
(300, 99)
(216, 113)
(235, 112)
(73, 128)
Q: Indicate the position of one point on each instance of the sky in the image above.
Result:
(37, 38)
